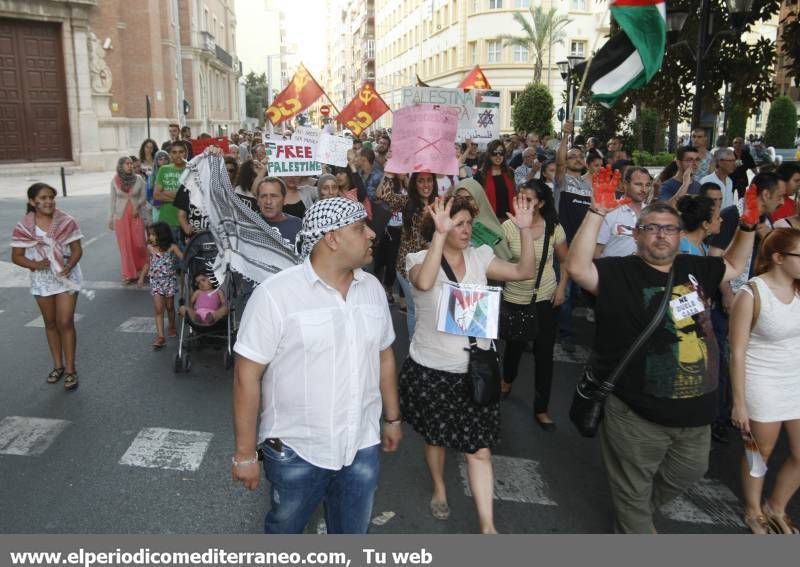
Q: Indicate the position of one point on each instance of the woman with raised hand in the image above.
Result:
(764, 334)
(433, 387)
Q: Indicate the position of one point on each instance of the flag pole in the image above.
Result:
(333, 104)
(586, 69)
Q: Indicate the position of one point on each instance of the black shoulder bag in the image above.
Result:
(518, 322)
(589, 399)
(483, 371)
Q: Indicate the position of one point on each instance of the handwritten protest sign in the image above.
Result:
(463, 102)
(291, 157)
(423, 139)
(333, 149)
(199, 145)
(308, 136)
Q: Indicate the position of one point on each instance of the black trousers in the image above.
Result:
(386, 256)
(543, 346)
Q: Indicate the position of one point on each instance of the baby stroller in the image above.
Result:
(198, 258)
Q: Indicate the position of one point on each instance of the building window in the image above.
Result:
(520, 54)
(578, 6)
(514, 97)
(577, 47)
(522, 4)
(473, 52)
(495, 4)
(494, 52)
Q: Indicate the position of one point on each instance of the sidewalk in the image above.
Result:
(78, 184)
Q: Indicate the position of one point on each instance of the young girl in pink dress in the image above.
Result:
(207, 305)
(162, 268)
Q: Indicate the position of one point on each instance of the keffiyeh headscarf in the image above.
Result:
(325, 216)
(125, 181)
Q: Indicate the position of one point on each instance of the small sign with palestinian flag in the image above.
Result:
(631, 57)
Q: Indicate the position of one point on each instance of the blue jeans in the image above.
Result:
(411, 318)
(297, 488)
(719, 321)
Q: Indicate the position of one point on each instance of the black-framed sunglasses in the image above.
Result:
(796, 254)
(501, 154)
(653, 228)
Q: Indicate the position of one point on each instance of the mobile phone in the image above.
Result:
(275, 444)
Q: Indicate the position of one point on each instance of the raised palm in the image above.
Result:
(523, 216)
(604, 186)
(440, 212)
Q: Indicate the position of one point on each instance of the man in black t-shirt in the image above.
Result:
(655, 435)
(191, 219)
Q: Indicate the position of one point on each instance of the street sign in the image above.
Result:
(324, 110)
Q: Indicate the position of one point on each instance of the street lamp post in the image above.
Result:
(565, 68)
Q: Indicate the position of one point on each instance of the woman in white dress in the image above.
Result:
(47, 241)
(765, 377)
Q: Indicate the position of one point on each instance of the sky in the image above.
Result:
(257, 37)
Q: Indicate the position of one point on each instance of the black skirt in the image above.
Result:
(438, 407)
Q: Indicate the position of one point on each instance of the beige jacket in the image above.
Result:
(119, 200)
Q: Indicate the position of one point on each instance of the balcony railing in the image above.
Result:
(224, 56)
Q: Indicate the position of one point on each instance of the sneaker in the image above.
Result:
(590, 314)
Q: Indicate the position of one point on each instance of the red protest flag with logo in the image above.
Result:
(365, 108)
(475, 80)
(298, 95)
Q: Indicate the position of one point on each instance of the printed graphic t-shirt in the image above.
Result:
(169, 178)
(673, 378)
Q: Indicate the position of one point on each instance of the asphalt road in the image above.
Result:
(73, 462)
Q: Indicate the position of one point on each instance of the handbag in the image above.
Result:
(588, 401)
(518, 322)
(483, 370)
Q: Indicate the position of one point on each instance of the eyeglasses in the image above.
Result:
(669, 229)
(231, 169)
(501, 154)
(797, 254)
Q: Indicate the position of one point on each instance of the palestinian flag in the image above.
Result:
(631, 57)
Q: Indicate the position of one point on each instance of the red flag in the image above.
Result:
(298, 95)
(475, 80)
(365, 108)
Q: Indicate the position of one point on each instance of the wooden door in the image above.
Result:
(34, 123)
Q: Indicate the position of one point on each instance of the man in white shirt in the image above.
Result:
(530, 166)
(616, 233)
(314, 348)
(725, 161)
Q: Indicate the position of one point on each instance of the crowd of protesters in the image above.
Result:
(563, 222)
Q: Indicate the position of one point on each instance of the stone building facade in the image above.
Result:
(75, 74)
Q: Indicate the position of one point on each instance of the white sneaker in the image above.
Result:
(590, 314)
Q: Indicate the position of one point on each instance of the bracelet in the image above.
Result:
(392, 421)
(595, 211)
(746, 227)
(252, 461)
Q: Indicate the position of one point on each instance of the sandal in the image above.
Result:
(71, 381)
(55, 375)
(172, 332)
(505, 388)
(758, 524)
(780, 524)
(159, 343)
(439, 510)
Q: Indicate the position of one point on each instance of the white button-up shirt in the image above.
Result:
(320, 393)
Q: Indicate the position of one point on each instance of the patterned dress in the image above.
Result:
(163, 279)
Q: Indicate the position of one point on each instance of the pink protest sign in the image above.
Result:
(423, 139)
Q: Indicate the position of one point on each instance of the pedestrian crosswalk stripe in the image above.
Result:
(138, 325)
(707, 502)
(28, 436)
(39, 322)
(515, 480)
(171, 449)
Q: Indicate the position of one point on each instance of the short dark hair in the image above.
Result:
(765, 181)
(33, 191)
(180, 143)
(277, 180)
(631, 169)
(658, 207)
(592, 156)
(459, 204)
(369, 154)
(708, 186)
(174, 125)
(695, 211)
(683, 150)
(786, 170)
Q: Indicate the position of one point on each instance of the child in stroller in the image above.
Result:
(206, 305)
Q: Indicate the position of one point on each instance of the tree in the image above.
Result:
(790, 43)
(255, 95)
(737, 122)
(600, 122)
(545, 28)
(781, 123)
(648, 131)
(747, 68)
(533, 110)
